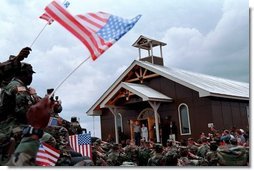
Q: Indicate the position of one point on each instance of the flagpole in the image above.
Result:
(38, 35)
(61, 83)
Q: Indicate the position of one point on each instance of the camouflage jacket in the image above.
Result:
(115, 158)
(212, 158)
(16, 100)
(25, 153)
(203, 149)
(231, 155)
(7, 71)
(156, 160)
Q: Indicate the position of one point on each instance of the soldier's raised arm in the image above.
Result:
(23, 54)
(11, 66)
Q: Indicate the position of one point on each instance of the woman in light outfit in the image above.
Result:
(144, 132)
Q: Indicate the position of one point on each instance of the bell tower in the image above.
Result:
(149, 44)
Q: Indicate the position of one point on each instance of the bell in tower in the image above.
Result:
(148, 44)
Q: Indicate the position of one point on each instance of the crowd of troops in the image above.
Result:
(218, 149)
(24, 118)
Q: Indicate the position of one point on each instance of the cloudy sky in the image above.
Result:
(210, 37)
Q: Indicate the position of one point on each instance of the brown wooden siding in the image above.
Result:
(107, 124)
(217, 115)
(228, 113)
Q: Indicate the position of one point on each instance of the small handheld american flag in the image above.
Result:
(47, 155)
(81, 143)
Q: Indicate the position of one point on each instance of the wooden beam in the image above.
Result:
(144, 72)
(120, 95)
(137, 74)
(151, 76)
(145, 77)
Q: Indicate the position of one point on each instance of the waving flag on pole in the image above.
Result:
(81, 143)
(97, 31)
(48, 18)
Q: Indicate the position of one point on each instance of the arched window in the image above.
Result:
(184, 119)
(147, 112)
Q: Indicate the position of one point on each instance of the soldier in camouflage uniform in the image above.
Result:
(100, 145)
(232, 154)
(8, 70)
(204, 148)
(99, 158)
(62, 143)
(75, 127)
(171, 153)
(157, 159)
(49, 139)
(211, 156)
(144, 153)
(193, 148)
(171, 158)
(16, 99)
(26, 151)
(116, 157)
(131, 151)
(184, 160)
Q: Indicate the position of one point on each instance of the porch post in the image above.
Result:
(114, 112)
(121, 121)
(155, 107)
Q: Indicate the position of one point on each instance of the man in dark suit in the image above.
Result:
(172, 131)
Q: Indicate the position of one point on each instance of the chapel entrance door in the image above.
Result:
(151, 123)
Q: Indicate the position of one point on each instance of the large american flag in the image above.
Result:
(97, 31)
(47, 155)
(81, 143)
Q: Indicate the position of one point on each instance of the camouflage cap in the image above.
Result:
(49, 139)
(170, 140)
(115, 146)
(95, 143)
(46, 136)
(98, 141)
(158, 147)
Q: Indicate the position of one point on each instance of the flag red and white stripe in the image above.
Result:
(81, 143)
(47, 155)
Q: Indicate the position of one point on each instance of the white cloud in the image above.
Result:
(224, 45)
